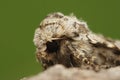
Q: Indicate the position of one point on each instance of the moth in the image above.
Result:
(66, 40)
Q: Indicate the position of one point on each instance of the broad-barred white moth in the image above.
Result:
(68, 41)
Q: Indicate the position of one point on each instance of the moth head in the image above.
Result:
(55, 28)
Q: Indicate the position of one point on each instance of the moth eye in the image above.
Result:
(53, 46)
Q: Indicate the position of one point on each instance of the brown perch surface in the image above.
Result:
(68, 41)
(59, 72)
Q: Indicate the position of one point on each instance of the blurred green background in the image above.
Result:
(20, 18)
